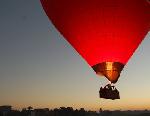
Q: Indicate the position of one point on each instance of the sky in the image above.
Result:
(39, 68)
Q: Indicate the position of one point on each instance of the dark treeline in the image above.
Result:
(69, 111)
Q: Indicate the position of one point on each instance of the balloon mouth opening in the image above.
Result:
(111, 70)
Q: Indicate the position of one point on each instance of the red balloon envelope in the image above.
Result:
(104, 32)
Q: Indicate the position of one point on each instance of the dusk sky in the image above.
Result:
(39, 68)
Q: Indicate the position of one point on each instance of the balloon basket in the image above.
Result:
(109, 92)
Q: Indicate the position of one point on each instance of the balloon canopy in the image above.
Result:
(104, 32)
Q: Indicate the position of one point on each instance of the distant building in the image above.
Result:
(41, 112)
(4, 110)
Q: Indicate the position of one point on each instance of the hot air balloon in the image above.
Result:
(105, 33)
